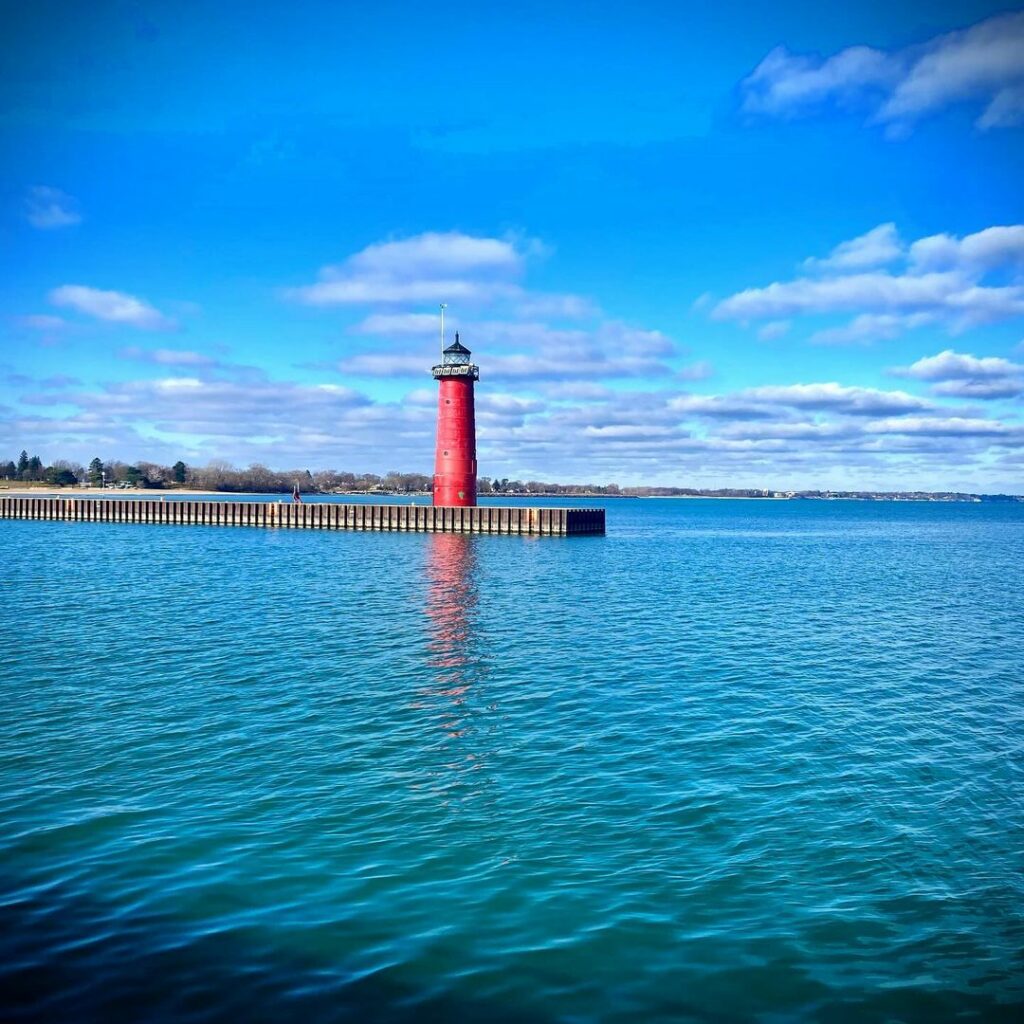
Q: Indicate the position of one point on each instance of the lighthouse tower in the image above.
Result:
(455, 458)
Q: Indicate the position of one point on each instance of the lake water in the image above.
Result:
(735, 760)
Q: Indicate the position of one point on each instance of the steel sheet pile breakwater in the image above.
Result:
(542, 522)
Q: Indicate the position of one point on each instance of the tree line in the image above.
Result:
(222, 476)
(215, 476)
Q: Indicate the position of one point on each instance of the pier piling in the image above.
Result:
(509, 520)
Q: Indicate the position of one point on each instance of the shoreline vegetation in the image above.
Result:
(30, 475)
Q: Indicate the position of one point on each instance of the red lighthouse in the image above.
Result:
(455, 458)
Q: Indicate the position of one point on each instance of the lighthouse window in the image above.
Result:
(446, 453)
(447, 401)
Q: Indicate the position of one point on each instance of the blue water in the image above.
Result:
(736, 760)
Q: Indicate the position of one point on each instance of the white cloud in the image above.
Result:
(533, 352)
(48, 208)
(371, 364)
(943, 282)
(850, 400)
(875, 248)
(580, 390)
(984, 250)
(959, 375)
(875, 291)
(116, 307)
(435, 254)
(950, 365)
(720, 407)
(785, 83)
(1000, 387)
(869, 327)
(800, 432)
(983, 64)
(429, 268)
(948, 426)
(434, 267)
(521, 367)
(367, 290)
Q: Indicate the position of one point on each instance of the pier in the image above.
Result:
(490, 519)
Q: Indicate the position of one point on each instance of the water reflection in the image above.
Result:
(453, 697)
(454, 655)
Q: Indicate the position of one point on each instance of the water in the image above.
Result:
(736, 760)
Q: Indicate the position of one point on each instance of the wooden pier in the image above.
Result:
(533, 522)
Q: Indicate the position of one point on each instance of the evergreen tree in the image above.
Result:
(179, 469)
(61, 477)
(96, 472)
(9, 470)
(22, 464)
(35, 468)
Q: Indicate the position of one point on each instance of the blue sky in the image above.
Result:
(733, 246)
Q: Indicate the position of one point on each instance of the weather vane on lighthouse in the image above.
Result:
(455, 455)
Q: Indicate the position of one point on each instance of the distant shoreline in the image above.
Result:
(935, 497)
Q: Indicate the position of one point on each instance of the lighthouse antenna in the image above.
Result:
(444, 306)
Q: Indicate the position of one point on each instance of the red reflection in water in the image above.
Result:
(451, 601)
(452, 696)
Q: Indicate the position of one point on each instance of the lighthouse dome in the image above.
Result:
(456, 353)
(455, 362)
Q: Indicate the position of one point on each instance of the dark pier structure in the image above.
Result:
(533, 522)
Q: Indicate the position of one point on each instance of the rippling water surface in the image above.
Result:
(734, 760)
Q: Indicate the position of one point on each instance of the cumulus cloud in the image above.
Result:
(1000, 387)
(995, 247)
(874, 248)
(720, 407)
(850, 400)
(981, 65)
(944, 426)
(869, 327)
(768, 437)
(533, 352)
(428, 268)
(115, 307)
(437, 253)
(229, 419)
(48, 208)
(437, 267)
(960, 375)
(595, 365)
(950, 365)
(857, 291)
(942, 280)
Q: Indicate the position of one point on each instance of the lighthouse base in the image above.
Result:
(454, 493)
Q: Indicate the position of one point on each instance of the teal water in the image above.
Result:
(738, 760)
